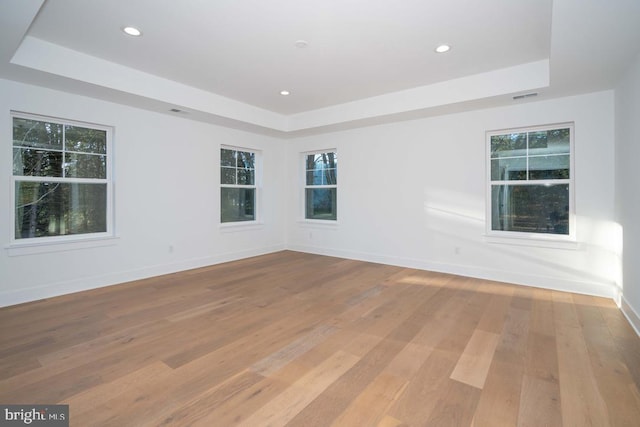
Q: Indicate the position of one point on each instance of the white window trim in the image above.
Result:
(34, 248)
(303, 220)
(233, 227)
(34, 245)
(318, 223)
(257, 222)
(533, 239)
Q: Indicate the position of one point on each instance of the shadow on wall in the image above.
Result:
(459, 219)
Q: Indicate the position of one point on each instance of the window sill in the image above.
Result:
(318, 223)
(34, 248)
(534, 241)
(233, 227)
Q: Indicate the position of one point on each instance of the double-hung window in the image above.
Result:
(321, 185)
(61, 179)
(237, 185)
(531, 182)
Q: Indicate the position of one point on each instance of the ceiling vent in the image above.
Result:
(526, 95)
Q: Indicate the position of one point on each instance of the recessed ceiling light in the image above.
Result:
(301, 44)
(132, 31)
(285, 92)
(443, 48)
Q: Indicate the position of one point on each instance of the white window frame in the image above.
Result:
(303, 211)
(257, 218)
(542, 239)
(29, 245)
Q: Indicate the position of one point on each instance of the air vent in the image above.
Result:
(526, 95)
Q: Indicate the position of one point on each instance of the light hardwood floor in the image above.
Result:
(305, 340)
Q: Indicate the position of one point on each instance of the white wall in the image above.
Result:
(166, 194)
(410, 193)
(413, 194)
(627, 105)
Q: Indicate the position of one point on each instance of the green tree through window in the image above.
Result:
(237, 185)
(321, 185)
(530, 180)
(60, 174)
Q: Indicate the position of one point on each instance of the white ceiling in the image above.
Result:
(367, 61)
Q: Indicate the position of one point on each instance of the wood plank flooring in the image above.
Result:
(304, 340)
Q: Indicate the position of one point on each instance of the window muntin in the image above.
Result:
(61, 179)
(321, 185)
(237, 185)
(530, 180)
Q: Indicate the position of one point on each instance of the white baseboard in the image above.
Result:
(631, 314)
(607, 290)
(19, 296)
(55, 289)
